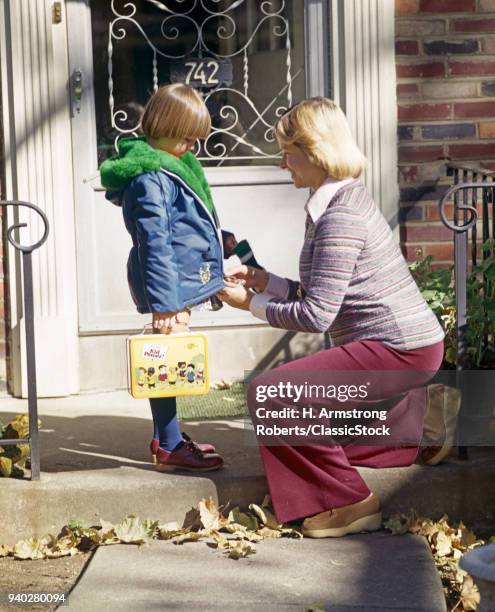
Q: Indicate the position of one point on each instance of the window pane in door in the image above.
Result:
(245, 57)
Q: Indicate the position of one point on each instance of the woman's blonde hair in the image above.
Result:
(176, 111)
(319, 127)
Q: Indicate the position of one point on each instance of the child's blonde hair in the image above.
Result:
(319, 127)
(176, 111)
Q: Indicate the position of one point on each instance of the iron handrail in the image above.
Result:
(465, 218)
(26, 251)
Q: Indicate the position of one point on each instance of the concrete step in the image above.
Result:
(361, 573)
(463, 490)
(95, 463)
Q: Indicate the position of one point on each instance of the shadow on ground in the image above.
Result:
(96, 442)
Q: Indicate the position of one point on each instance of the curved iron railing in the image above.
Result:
(26, 251)
(469, 181)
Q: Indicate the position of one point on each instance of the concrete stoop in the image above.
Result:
(95, 463)
(463, 490)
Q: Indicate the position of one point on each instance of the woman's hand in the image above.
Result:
(252, 278)
(237, 296)
(170, 322)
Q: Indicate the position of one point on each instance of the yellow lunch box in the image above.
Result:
(162, 365)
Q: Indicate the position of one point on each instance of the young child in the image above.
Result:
(175, 261)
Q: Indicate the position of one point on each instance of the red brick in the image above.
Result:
(406, 47)
(426, 232)
(475, 109)
(420, 154)
(429, 172)
(418, 112)
(426, 69)
(472, 151)
(433, 214)
(486, 6)
(487, 130)
(407, 90)
(408, 174)
(466, 46)
(409, 28)
(489, 166)
(488, 45)
(442, 251)
(447, 6)
(479, 68)
(473, 25)
(406, 7)
(445, 89)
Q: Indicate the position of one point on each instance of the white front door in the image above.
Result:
(249, 59)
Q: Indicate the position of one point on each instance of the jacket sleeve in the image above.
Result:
(152, 196)
(340, 236)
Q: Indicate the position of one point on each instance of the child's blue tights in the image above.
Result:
(166, 425)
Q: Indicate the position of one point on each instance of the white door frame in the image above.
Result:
(92, 320)
(38, 162)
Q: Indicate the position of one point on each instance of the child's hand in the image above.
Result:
(169, 322)
(252, 278)
(237, 297)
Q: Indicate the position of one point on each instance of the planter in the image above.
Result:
(480, 564)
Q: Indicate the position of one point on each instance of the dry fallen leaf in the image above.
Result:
(266, 517)
(443, 544)
(242, 518)
(5, 550)
(192, 520)
(169, 531)
(221, 541)
(131, 531)
(210, 515)
(398, 523)
(448, 545)
(222, 385)
(240, 549)
(190, 536)
(30, 549)
(266, 532)
(470, 595)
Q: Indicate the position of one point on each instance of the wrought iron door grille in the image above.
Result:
(204, 42)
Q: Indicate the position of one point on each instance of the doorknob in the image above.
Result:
(77, 90)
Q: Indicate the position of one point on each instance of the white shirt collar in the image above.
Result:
(320, 199)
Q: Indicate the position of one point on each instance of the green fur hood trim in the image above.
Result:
(137, 157)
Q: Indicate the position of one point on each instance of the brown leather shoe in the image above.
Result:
(355, 518)
(187, 457)
(204, 448)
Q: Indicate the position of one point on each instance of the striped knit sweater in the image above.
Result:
(355, 282)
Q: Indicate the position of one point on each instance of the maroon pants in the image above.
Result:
(306, 480)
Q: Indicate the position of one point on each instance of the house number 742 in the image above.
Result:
(203, 72)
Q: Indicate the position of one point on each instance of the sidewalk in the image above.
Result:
(362, 573)
(94, 461)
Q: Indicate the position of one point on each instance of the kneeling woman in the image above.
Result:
(354, 283)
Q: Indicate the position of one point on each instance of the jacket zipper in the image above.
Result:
(211, 217)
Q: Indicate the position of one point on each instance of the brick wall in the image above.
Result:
(445, 57)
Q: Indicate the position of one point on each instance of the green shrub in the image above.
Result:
(437, 287)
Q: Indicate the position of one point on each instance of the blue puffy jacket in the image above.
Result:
(176, 259)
